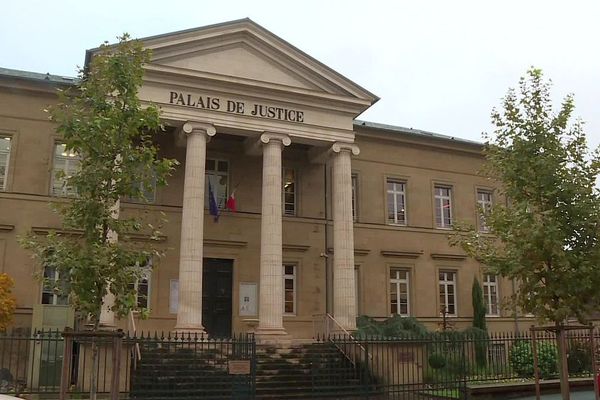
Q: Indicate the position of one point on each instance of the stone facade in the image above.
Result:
(266, 108)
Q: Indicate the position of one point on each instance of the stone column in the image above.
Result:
(344, 303)
(189, 312)
(271, 258)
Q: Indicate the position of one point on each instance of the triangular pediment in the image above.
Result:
(244, 53)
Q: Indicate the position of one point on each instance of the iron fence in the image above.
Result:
(442, 365)
(143, 366)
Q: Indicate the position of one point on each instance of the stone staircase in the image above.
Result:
(298, 371)
(309, 371)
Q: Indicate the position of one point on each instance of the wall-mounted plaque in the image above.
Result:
(248, 299)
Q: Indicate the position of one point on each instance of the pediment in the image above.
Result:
(243, 52)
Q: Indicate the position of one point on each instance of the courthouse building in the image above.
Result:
(334, 215)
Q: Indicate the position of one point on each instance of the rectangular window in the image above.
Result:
(396, 202)
(142, 286)
(447, 284)
(54, 287)
(289, 289)
(217, 175)
(484, 206)
(490, 294)
(354, 197)
(5, 142)
(443, 206)
(357, 288)
(66, 163)
(289, 191)
(399, 292)
(147, 192)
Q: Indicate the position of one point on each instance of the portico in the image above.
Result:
(239, 79)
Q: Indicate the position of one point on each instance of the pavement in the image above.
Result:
(584, 395)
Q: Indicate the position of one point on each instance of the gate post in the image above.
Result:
(66, 364)
(116, 365)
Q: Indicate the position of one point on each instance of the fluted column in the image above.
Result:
(271, 258)
(189, 312)
(344, 296)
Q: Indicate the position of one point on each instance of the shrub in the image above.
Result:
(391, 327)
(521, 359)
(579, 357)
(437, 361)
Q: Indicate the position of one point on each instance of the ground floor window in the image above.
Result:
(289, 289)
(399, 292)
(54, 287)
(447, 288)
(142, 286)
(490, 294)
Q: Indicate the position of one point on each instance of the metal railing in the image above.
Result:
(137, 365)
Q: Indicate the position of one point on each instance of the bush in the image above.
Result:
(579, 357)
(391, 327)
(437, 361)
(521, 359)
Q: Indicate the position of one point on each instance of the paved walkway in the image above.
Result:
(574, 396)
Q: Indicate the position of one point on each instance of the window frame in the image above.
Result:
(294, 278)
(438, 200)
(395, 193)
(7, 166)
(295, 192)
(397, 282)
(54, 170)
(482, 209)
(216, 173)
(446, 283)
(55, 296)
(487, 297)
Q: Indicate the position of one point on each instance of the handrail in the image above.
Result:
(138, 353)
(328, 317)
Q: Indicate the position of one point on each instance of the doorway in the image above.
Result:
(217, 282)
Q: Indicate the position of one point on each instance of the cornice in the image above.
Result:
(401, 254)
(448, 256)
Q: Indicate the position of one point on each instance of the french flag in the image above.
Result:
(213, 206)
(231, 205)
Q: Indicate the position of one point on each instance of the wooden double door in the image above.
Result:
(217, 283)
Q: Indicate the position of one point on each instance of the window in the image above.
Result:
(357, 289)
(217, 174)
(5, 142)
(399, 292)
(354, 197)
(490, 294)
(443, 206)
(54, 288)
(447, 285)
(396, 202)
(289, 289)
(142, 286)
(147, 193)
(484, 205)
(289, 191)
(67, 162)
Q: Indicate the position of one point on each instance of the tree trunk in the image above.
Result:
(563, 368)
(94, 376)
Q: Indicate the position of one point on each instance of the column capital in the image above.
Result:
(272, 136)
(339, 147)
(193, 127)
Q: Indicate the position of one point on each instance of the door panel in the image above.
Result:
(217, 281)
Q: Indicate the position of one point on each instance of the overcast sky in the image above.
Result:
(436, 65)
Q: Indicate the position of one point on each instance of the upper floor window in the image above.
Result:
(443, 206)
(396, 202)
(399, 292)
(447, 289)
(484, 205)
(66, 163)
(54, 287)
(147, 193)
(217, 176)
(354, 197)
(490, 294)
(289, 191)
(289, 289)
(5, 142)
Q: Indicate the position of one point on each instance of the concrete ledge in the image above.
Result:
(508, 390)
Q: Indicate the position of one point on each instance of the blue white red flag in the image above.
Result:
(213, 206)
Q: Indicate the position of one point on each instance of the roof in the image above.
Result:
(36, 76)
(414, 132)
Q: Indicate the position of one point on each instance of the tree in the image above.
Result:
(479, 323)
(103, 121)
(8, 302)
(546, 235)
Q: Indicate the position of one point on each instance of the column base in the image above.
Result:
(271, 336)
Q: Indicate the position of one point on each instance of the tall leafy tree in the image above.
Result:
(102, 120)
(545, 235)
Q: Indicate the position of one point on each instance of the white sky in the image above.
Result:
(437, 65)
